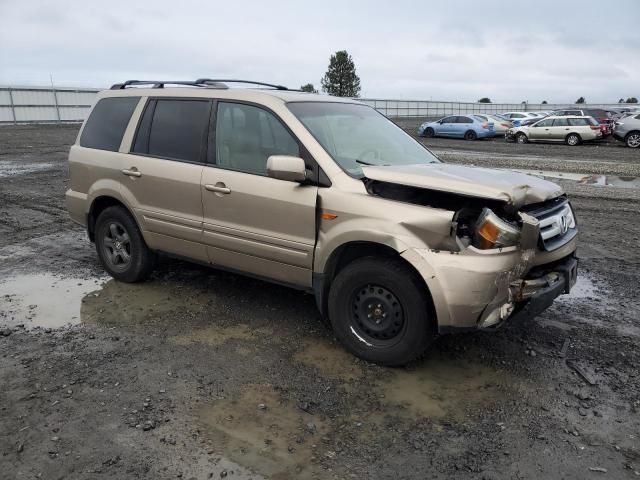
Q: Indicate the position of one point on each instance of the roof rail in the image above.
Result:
(161, 84)
(201, 82)
(208, 81)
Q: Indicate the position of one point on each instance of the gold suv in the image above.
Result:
(323, 194)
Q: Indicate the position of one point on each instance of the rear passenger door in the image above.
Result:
(560, 129)
(161, 176)
(461, 126)
(254, 223)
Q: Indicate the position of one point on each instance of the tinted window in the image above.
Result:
(578, 122)
(573, 112)
(108, 121)
(177, 129)
(516, 115)
(246, 136)
(463, 120)
(560, 122)
(449, 120)
(637, 117)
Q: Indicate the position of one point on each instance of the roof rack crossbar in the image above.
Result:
(207, 81)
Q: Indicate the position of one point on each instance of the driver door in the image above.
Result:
(541, 130)
(254, 223)
(447, 126)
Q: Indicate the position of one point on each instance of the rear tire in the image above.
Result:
(573, 139)
(522, 138)
(381, 311)
(428, 133)
(470, 135)
(120, 246)
(633, 140)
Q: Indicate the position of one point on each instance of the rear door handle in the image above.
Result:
(133, 172)
(219, 188)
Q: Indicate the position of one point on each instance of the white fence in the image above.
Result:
(40, 104)
(430, 108)
(46, 104)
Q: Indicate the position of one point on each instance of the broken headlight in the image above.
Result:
(493, 232)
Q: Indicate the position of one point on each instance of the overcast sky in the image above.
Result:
(451, 50)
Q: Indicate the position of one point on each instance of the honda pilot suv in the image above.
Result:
(322, 194)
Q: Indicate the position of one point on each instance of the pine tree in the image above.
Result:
(308, 88)
(341, 79)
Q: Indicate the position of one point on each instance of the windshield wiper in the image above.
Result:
(362, 162)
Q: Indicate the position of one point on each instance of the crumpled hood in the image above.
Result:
(517, 189)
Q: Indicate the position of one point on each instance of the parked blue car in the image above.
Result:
(468, 127)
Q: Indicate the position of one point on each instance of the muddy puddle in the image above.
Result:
(9, 168)
(260, 428)
(51, 301)
(586, 179)
(44, 300)
(266, 433)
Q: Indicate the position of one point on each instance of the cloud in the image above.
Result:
(459, 50)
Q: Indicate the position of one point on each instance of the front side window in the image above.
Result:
(355, 135)
(246, 136)
(448, 120)
(174, 129)
(108, 121)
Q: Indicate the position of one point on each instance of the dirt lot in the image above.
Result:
(203, 374)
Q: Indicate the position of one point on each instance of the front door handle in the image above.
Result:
(132, 172)
(218, 188)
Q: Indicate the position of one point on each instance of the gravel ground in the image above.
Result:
(203, 374)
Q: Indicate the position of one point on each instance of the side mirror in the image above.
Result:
(285, 167)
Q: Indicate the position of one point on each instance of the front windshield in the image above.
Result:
(356, 135)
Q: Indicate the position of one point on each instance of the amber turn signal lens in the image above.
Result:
(328, 216)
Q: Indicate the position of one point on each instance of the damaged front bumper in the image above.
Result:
(534, 295)
(480, 289)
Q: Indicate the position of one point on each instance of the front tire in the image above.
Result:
(120, 246)
(633, 140)
(573, 139)
(470, 135)
(522, 138)
(381, 312)
(428, 133)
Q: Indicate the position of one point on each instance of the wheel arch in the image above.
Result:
(631, 133)
(98, 205)
(573, 133)
(348, 252)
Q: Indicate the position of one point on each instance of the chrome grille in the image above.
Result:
(556, 222)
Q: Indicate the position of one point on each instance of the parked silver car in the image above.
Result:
(627, 130)
(571, 130)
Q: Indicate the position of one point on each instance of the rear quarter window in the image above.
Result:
(107, 122)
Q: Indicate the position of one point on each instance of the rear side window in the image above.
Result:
(561, 122)
(108, 121)
(173, 128)
(578, 122)
(464, 120)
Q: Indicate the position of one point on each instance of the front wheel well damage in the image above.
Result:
(343, 256)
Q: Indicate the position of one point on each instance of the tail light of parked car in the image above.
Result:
(506, 125)
(594, 127)
(485, 125)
